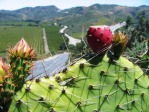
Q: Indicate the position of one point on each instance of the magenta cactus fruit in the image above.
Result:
(99, 38)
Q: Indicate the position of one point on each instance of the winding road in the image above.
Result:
(72, 40)
(116, 26)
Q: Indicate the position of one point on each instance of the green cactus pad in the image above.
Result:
(108, 86)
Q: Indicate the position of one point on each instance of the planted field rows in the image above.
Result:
(9, 36)
(53, 38)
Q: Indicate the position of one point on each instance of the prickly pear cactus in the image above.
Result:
(12, 77)
(84, 87)
(21, 57)
(98, 84)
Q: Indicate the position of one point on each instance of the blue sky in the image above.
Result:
(62, 4)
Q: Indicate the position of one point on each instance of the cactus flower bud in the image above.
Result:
(119, 43)
(99, 38)
(22, 49)
(3, 70)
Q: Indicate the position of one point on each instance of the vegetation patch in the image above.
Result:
(10, 35)
(54, 39)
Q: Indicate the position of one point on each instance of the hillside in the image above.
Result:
(52, 12)
(75, 18)
(29, 13)
(78, 17)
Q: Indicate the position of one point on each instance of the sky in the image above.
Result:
(63, 4)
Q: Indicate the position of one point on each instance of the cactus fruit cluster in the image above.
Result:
(97, 84)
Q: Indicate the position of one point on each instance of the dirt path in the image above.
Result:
(46, 47)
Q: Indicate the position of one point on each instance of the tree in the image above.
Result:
(129, 21)
(142, 18)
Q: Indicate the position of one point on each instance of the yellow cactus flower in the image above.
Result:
(22, 49)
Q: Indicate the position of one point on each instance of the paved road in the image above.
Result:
(46, 47)
(116, 26)
(72, 40)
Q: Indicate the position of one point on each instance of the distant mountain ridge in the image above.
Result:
(50, 12)
(29, 13)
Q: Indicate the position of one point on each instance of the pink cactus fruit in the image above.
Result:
(99, 38)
